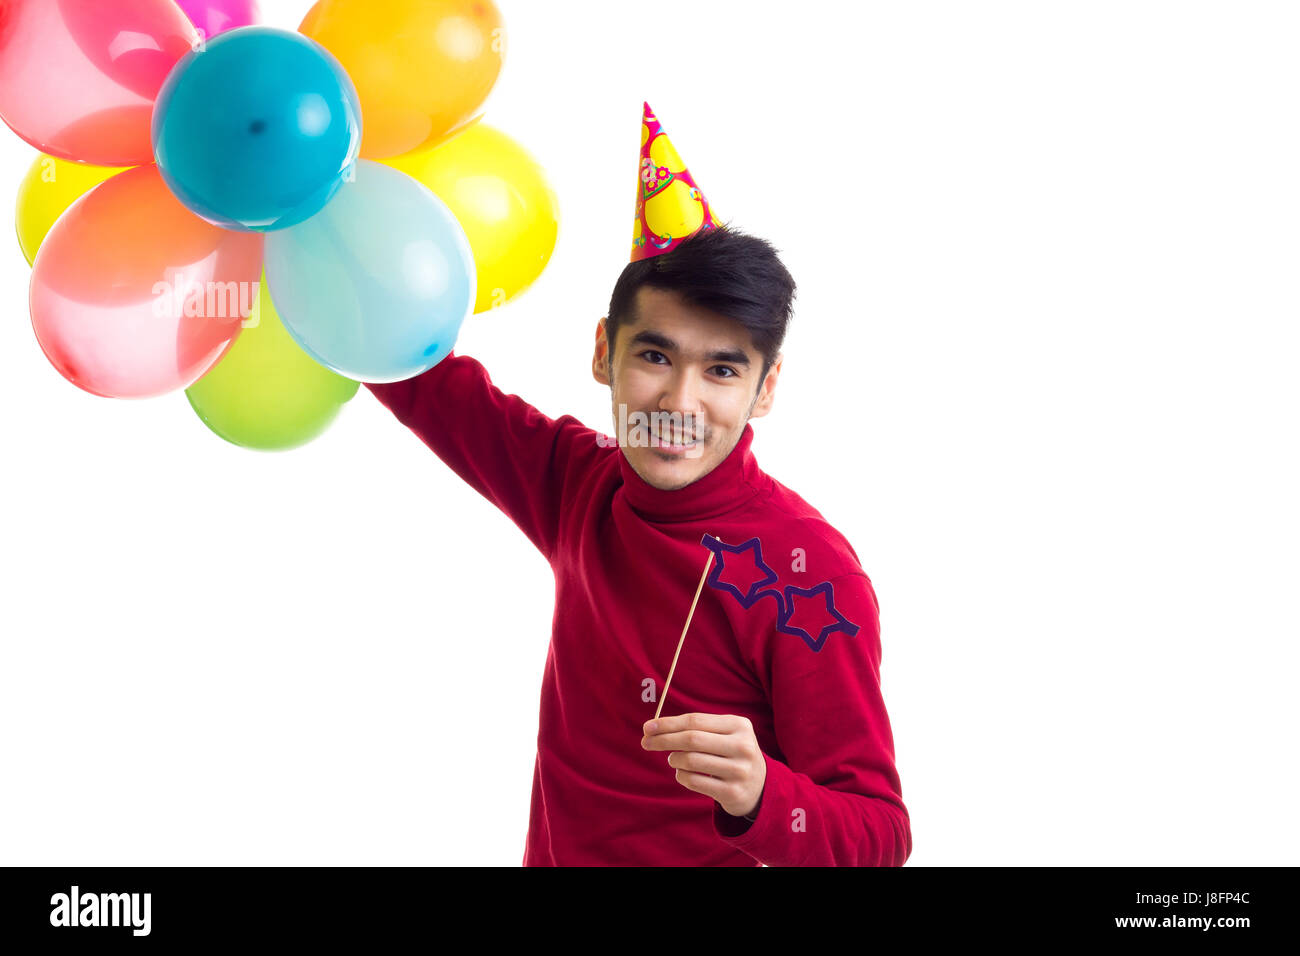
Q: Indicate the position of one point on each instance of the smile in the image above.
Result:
(666, 443)
(664, 447)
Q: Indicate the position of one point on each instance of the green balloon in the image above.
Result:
(266, 392)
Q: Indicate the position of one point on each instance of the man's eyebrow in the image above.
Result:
(659, 340)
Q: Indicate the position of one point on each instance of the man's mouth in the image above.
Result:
(677, 442)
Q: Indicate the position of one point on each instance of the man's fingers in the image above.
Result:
(714, 723)
(724, 745)
(713, 765)
(703, 783)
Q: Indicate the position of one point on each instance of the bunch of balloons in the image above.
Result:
(264, 217)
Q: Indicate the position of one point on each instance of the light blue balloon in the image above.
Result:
(376, 285)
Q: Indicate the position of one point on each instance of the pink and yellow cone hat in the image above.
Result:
(670, 207)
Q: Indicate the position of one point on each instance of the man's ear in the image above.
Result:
(600, 357)
(767, 391)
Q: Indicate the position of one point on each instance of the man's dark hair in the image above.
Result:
(721, 269)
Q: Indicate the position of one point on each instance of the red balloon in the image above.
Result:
(132, 295)
(78, 78)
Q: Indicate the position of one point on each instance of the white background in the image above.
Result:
(1042, 376)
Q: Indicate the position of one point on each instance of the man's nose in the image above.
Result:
(682, 393)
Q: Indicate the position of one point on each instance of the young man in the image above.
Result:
(774, 746)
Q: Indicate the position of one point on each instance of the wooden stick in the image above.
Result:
(682, 640)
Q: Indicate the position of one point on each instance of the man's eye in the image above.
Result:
(652, 356)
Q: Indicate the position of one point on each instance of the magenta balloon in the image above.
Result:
(78, 78)
(218, 16)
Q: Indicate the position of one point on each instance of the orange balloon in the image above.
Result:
(422, 68)
(132, 295)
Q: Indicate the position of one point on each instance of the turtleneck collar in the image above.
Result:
(733, 482)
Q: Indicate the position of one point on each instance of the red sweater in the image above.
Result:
(787, 634)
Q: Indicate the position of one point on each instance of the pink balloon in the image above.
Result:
(78, 78)
(132, 295)
(217, 16)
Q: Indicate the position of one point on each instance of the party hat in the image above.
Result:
(669, 205)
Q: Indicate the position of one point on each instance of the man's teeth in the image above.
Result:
(683, 439)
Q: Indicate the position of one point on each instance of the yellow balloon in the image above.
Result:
(266, 392)
(500, 196)
(49, 188)
(422, 68)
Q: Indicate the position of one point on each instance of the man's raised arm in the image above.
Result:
(507, 450)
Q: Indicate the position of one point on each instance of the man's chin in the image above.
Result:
(668, 472)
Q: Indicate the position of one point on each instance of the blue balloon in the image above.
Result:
(257, 130)
(376, 285)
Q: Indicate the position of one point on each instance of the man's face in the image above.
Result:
(698, 366)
